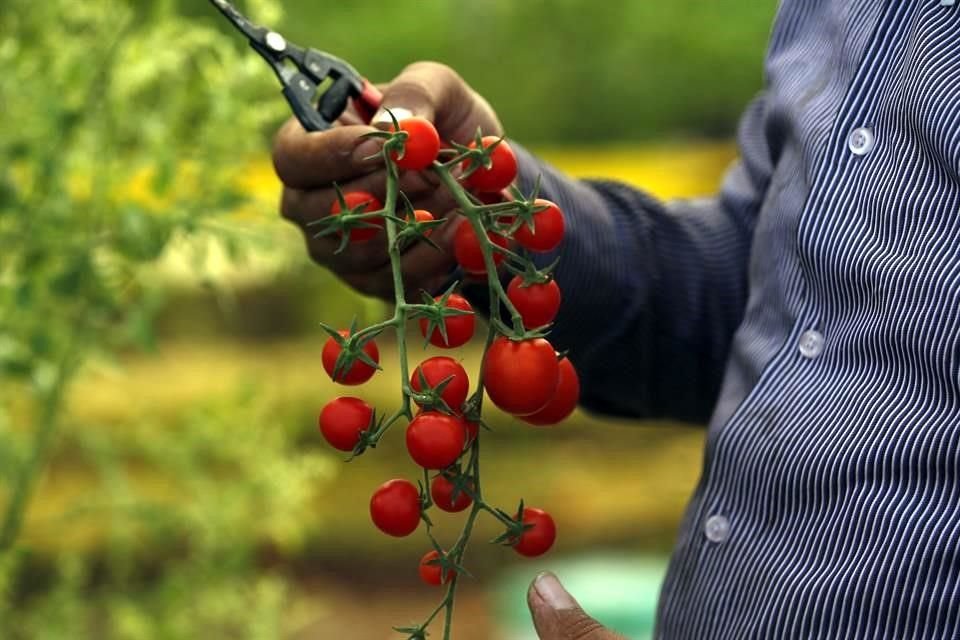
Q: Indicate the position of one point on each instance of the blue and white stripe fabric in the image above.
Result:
(811, 313)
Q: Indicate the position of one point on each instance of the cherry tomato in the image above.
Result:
(438, 369)
(354, 199)
(467, 250)
(432, 573)
(422, 215)
(538, 540)
(422, 145)
(435, 440)
(459, 328)
(342, 421)
(537, 304)
(502, 171)
(395, 508)
(564, 401)
(521, 376)
(441, 490)
(547, 232)
(360, 372)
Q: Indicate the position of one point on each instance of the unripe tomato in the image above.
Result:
(435, 440)
(441, 490)
(395, 508)
(422, 215)
(342, 421)
(459, 328)
(537, 540)
(354, 199)
(433, 573)
(564, 401)
(547, 232)
(537, 304)
(436, 370)
(469, 254)
(359, 372)
(422, 145)
(502, 171)
(521, 376)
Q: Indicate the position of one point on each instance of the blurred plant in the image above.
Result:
(122, 135)
(124, 132)
(183, 512)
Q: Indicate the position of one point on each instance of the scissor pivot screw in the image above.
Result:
(276, 41)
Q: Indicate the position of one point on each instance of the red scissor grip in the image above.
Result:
(368, 102)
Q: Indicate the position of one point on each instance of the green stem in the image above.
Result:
(476, 215)
(30, 470)
(473, 214)
(400, 318)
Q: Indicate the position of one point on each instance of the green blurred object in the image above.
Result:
(620, 591)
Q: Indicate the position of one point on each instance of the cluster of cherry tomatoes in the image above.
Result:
(522, 373)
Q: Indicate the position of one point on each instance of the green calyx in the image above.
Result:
(514, 527)
(351, 349)
(436, 312)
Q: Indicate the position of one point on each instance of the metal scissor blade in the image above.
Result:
(253, 32)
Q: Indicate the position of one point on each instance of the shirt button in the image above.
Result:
(717, 529)
(811, 344)
(861, 141)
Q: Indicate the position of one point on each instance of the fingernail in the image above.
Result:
(367, 151)
(552, 592)
(383, 117)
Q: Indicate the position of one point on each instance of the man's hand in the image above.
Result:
(309, 163)
(557, 616)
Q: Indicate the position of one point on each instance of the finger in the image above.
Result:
(558, 616)
(304, 206)
(305, 160)
(430, 90)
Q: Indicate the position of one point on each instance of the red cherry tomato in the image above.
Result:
(521, 376)
(360, 372)
(342, 421)
(467, 250)
(421, 147)
(547, 232)
(395, 508)
(502, 171)
(564, 401)
(435, 440)
(432, 573)
(537, 304)
(441, 490)
(422, 215)
(459, 328)
(538, 540)
(354, 199)
(438, 369)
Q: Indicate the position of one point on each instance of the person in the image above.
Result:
(810, 312)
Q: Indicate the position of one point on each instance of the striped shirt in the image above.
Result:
(810, 312)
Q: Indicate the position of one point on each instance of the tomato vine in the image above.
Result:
(532, 381)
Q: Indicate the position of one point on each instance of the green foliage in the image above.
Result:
(124, 133)
(121, 136)
(180, 512)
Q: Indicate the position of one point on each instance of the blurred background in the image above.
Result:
(161, 475)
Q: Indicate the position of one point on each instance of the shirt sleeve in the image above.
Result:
(653, 291)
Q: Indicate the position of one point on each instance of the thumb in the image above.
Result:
(557, 616)
(424, 89)
(436, 92)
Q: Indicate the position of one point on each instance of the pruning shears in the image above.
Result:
(303, 71)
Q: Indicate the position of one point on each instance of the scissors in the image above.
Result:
(309, 70)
